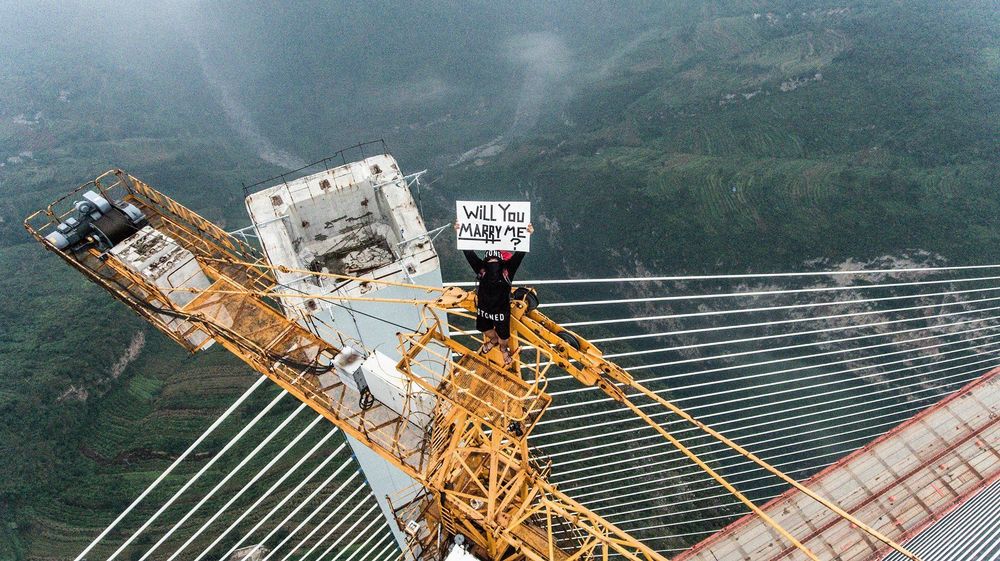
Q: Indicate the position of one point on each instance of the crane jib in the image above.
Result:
(460, 431)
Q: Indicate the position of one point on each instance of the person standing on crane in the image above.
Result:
(494, 273)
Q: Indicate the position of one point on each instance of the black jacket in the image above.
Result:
(493, 290)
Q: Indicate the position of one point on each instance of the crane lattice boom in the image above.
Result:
(461, 424)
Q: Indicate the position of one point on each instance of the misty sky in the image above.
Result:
(345, 67)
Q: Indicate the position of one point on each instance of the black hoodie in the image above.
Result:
(493, 291)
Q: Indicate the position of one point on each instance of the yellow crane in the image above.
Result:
(461, 426)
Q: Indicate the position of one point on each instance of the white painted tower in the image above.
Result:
(358, 219)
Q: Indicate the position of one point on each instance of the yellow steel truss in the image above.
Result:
(463, 428)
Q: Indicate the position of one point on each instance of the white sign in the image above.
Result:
(486, 225)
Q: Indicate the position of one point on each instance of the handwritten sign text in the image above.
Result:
(493, 225)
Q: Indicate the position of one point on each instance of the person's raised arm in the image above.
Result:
(514, 262)
(474, 260)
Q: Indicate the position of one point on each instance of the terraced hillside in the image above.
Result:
(760, 137)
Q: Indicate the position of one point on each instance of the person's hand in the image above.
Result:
(458, 225)
(531, 229)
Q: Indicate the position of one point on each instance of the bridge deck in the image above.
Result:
(898, 484)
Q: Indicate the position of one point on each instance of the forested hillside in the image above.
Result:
(757, 139)
(652, 137)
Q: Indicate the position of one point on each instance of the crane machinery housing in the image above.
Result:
(452, 423)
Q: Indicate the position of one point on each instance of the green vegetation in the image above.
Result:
(701, 145)
(679, 137)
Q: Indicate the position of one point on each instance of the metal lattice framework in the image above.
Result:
(461, 429)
